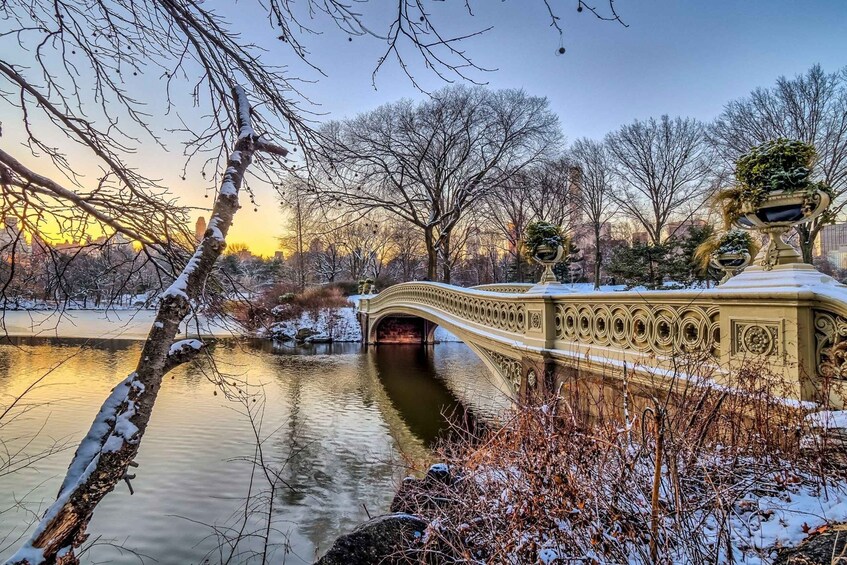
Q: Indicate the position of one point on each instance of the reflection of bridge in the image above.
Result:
(787, 323)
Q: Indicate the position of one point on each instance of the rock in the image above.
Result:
(381, 540)
(416, 495)
(817, 548)
(277, 332)
(318, 338)
(439, 473)
(303, 333)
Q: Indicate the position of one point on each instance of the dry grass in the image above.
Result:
(676, 479)
(280, 303)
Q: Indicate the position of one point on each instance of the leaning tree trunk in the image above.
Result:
(107, 451)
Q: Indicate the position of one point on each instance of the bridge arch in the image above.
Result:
(407, 324)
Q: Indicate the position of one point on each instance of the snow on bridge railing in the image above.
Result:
(486, 310)
(516, 288)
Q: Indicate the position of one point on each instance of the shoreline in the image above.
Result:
(102, 324)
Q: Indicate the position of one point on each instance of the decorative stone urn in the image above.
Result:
(775, 216)
(730, 263)
(549, 257)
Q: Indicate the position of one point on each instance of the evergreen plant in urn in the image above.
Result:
(543, 242)
(730, 252)
(775, 192)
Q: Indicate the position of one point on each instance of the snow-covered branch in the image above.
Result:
(103, 457)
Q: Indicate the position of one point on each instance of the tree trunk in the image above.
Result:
(445, 259)
(598, 256)
(807, 242)
(431, 255)
(103, 457)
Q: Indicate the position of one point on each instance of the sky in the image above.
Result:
(676, 57)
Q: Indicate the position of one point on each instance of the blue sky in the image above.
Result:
(681, 57)
(677, 57)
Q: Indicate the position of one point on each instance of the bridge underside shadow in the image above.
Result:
(403, 329)
(406, 328)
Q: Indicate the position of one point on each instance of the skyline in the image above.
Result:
(675, 58)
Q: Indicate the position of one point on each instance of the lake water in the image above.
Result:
(340, 425)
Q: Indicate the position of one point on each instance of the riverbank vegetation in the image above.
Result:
(701, 476)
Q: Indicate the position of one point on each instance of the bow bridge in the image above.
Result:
(788, 324)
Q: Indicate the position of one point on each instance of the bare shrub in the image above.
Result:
(280, 304)
(696, 475)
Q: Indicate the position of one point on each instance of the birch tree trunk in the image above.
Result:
(107, 451)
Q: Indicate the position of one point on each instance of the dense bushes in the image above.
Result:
(281, 302)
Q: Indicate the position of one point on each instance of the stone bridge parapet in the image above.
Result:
(791, 324)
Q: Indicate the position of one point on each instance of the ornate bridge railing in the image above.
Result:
(796, 331)
(509, 288)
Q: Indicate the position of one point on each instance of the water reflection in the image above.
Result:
(406, 372)
(339, 422)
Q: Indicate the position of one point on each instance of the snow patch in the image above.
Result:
(184, 345)
(828, 419)
(180, 285)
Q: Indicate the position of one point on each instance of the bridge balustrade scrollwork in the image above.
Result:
(511, 369)
(798, 333)
(505, 314)
(830, 344)
(660, 329)
(508, 288)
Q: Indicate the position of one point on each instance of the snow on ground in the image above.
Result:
(122, 302)
(338, 325)
(335, 324)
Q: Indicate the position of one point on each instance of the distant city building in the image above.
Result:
(682, 229)
(11, 237)
(200, 229)
(832, 243)
(640, 237)
(575, 195)
(582, 235)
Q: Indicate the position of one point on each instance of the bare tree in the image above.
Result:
(542, 191)
(663, 168)
(811, 107)
(407, 248)
(594, 195)
(427, 163)
(103, 458)
(68, 82)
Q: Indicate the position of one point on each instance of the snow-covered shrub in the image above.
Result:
(778, 165)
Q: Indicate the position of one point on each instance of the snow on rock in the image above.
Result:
(333, 324)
